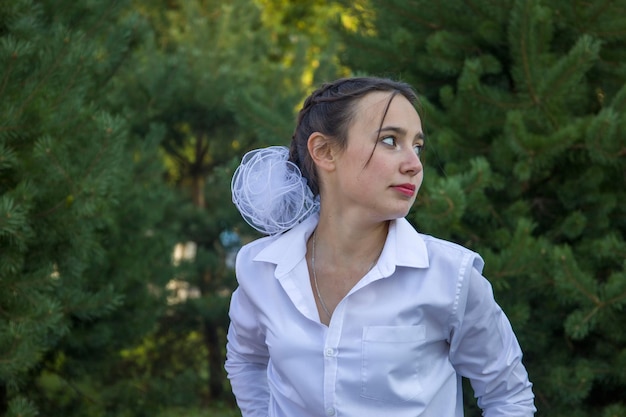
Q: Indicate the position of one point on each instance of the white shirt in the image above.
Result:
(397, 344)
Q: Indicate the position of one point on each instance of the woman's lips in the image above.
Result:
(406, 189)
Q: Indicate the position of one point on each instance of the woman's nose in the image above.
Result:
(411, 164)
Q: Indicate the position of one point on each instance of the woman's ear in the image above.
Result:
(321, 151)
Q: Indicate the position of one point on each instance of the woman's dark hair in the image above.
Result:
(330, 110)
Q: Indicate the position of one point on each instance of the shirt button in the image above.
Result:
(330, 411)
(330, 352)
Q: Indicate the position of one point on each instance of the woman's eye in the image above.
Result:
(418, 149)
(389, 140)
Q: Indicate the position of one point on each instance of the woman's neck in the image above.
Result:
(343, 243)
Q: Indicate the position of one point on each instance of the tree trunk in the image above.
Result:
(4, 403)
(216, 369)
(198, 191)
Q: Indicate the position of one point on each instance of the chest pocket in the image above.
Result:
(390, 363)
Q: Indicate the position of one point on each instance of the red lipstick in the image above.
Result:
(406, 189)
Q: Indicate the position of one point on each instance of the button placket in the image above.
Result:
(330, 352)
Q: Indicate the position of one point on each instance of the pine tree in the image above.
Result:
(523, 102)
(80, 211)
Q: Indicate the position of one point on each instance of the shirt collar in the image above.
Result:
(404, 247)
(289, 248)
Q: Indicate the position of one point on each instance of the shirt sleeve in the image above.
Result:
(484, 349)
(247, 357)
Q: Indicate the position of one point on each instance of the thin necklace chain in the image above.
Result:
(317, 288)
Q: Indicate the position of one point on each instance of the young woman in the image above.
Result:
(345, 309)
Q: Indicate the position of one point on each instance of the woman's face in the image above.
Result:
(379, 173)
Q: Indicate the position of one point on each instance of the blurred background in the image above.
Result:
(121, 123)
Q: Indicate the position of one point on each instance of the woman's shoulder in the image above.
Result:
(441, 249)
(248, 272)
(251, 249)
(278, 249)
(442, 245)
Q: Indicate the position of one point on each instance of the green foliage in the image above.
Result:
(58, 167)
(81, 235)
(216, 410)
(523, 105)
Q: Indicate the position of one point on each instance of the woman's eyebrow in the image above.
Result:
(400, 131)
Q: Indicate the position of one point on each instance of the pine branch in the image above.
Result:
(599, 10)
(616, 299)
(512, 105)
(12, 128)
(68, 87)
(525, 59)
(51, 210)
(393, 8)
(7, 73)
(51, 70)
(9, 353)
(568, 273)
(55, 162)
(526, 64)
(62, 54)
